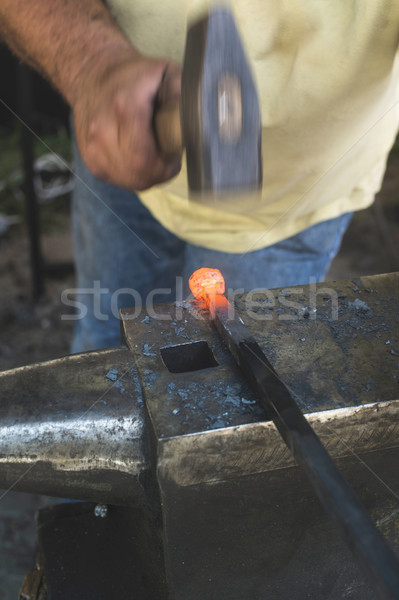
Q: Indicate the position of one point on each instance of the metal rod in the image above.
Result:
(338, 499)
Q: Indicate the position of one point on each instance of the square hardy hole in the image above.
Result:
(188, 357)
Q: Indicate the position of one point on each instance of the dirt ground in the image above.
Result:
(32, 332)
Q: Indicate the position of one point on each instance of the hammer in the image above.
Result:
(218, 118)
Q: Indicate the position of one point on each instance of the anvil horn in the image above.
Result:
(75, 427)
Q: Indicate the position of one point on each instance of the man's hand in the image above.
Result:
(114, 111)
(110, 86)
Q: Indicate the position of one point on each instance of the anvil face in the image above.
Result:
(329, 346)
(238, 516)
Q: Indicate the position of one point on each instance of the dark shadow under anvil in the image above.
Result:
(234, 517)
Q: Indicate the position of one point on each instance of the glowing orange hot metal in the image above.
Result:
(206, 281)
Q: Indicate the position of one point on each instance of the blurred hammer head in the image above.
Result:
(221, 123)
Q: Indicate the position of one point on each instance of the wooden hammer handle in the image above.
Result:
(168, 129)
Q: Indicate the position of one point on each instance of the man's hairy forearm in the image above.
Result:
(110, 86)
(60, 37)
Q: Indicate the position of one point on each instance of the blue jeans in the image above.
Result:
(123, 253)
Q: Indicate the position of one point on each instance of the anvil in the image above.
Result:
(167, 425)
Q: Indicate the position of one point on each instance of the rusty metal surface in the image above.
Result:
(194, 401)
(74, 427)
(336, 344)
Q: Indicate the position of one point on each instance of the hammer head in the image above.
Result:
(221, 123)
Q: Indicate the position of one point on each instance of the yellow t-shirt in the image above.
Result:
(328, 79)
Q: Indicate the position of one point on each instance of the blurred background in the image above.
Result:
(36, 259)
